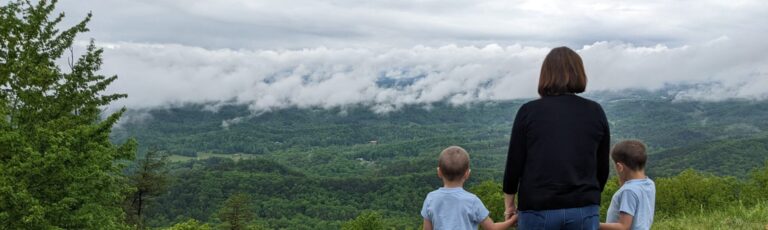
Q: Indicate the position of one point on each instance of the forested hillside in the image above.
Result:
(317, 168)
(675, 129)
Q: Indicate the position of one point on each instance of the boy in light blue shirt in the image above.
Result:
(633, 204)
(451, 207)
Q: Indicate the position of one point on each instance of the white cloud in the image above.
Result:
(386, 79)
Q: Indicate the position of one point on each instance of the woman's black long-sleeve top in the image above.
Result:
(558, 153)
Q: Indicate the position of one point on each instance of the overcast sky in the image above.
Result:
(327, 53)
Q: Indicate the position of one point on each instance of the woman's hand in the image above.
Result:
(509, 213)
(509, 206)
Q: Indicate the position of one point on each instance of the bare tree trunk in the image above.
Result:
(138, 211)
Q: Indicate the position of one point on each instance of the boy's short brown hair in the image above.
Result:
(453, 163)
(631, 153)
(562, 73)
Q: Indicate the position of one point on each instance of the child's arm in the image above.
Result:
(488, 223)
(427, 224)
(625, 222)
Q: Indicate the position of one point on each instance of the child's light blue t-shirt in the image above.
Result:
(453, 208)
(637, 198)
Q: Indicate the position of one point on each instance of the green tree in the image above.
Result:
(756, 189)
(190, 224)
(493, 198)
(236, 212)
(57, 164)
(148, 180)
(692, 192)
(368, 220)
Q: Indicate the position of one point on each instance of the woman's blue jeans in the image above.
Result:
(583, 218)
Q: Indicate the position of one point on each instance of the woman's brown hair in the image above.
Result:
(562, 73)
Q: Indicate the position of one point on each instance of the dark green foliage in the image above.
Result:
(722, 157)
(330, 142)
(365, 221)
(290, 201)
(147, 179)
(190, 129)
(664, 123)
(237, 212)
(319, 169)
(57, 163)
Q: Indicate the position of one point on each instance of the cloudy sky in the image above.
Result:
(385, 54)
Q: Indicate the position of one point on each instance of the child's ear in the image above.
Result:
(439, 174)
(619, 167)
(466, 174)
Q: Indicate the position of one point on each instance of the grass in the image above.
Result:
(201, 156)
(734, 217)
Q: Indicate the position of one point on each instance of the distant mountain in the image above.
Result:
(736, 157)
(315, 168)
(684, 133)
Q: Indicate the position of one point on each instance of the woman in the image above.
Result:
(557, 162)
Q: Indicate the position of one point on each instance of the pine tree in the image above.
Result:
(236, 212)
(58, 168)
(148, 179)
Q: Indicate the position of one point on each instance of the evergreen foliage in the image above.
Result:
(148, 180)
(57, 164)
(236, 212)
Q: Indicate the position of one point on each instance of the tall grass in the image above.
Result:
(735, 216)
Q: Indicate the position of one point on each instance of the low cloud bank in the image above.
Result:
(156, 75)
